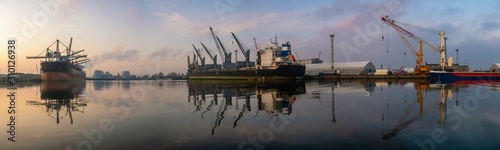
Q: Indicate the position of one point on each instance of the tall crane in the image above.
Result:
(202, 59)
(257, 63)
(213, 57)
(245, 50)
(225, 56)
(401, 32)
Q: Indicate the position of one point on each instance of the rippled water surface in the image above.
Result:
(250, 115)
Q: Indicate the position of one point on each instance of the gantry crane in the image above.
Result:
(401, 32)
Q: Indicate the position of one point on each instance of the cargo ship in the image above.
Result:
(57, 66)
(273, 62)
(450, 77)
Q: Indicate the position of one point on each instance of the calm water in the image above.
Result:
(250, 115)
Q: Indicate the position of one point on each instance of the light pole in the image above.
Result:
(445, 48)
(404, 59)
(332, 67)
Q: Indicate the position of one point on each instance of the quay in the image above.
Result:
(22, 77)
(369, 76)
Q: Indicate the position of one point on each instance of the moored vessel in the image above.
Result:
(449, 77)
(273, 62)
(57, 66)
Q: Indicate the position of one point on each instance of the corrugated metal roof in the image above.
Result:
(495, 64)
(359, 64)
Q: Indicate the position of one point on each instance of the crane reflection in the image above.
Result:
(272, 98)
(61, 99)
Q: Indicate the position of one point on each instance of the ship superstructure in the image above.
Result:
(58, 66)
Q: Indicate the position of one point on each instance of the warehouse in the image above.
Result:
(495, 67)
(362, 67)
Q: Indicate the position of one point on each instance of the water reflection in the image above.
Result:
(126, 84)
(61, 96)
(275, 98)
(222, 115)
(406, 112)
(100, 85)
(359, 88)
(445, 93)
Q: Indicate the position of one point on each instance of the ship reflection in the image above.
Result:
(275, 98)
(61, 96)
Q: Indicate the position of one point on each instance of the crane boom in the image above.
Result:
(412, 50)
(440, 49)
(257, 63)
(68, 49)
(214, 57)
(202, 59)
(74, 53)
(246, 52)
(208, 52)
(197, 52)
(256, 47)
(227, 56)
(222, 54)
(240, 45)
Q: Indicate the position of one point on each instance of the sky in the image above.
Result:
(149, 36)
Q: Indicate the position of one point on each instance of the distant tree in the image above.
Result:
(172, 75)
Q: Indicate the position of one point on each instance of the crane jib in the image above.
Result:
(406, 32)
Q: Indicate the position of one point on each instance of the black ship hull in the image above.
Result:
(280, 72)
(61, 71)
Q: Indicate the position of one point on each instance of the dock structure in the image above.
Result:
(369, 76)
(21, 77)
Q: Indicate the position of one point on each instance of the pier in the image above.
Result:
(369, 76)
(21, 77)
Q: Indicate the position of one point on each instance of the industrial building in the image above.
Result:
(495, 67)
(354, 68)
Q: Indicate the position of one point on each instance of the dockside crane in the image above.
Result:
(225, 56)
(194, 63)
(73, 57)
(244, 49)
(213, 57)
(402, 32)
(199, 55)
(257, 63)
(55, 55)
